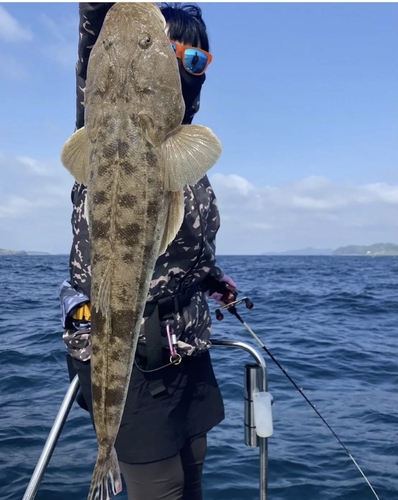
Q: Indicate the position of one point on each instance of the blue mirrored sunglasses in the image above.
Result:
(194, 60)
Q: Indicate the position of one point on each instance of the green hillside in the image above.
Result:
(378, 249)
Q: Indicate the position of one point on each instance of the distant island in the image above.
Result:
(304, 251)
(376, 250)
(20, 252)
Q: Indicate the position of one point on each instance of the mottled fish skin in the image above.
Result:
(126, 201)
(135, 159)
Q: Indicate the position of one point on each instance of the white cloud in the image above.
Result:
(62, 48)
(35, 205)
(313, 212)
(52, 27)
(382, 191)
(57, 42)
(11, 30)
(237, 184)
(14, 207)
(35, 167)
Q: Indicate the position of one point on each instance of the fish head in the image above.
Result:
(132, 63)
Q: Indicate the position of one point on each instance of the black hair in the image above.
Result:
(185, 24)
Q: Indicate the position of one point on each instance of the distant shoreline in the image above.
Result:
(375, 250)
(25, 254)
(22, 253)
(318, 255)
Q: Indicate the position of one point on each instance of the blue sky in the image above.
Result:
(304, 97)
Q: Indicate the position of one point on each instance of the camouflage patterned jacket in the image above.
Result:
(189, 259)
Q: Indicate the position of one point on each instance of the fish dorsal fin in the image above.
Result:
(75, 155)
(188, 153)
(175, 217)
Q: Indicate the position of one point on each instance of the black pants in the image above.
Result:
(176, 478)
(154, 429)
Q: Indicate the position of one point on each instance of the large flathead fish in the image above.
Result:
(135, 157)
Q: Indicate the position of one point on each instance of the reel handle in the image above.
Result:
(231, 307)
(219, 315)
(249, 303)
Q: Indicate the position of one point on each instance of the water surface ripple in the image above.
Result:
(331, 322)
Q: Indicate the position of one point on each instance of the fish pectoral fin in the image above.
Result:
(175, 217)
(75, 155)
(188, 153)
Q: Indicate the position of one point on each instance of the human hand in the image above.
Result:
(228, 295)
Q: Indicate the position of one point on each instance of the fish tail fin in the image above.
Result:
(106, 480)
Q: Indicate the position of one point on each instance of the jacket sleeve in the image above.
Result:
(212, 225)
(71, 301)
(91, 18)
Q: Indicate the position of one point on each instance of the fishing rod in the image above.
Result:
(231, 308)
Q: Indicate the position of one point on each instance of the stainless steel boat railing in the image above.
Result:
(262, 386)
(52, 440)
(49, 447)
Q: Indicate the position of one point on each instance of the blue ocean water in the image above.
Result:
(331, 322)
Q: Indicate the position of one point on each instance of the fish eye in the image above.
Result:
(145, 42)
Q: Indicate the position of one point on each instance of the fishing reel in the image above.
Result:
(228, 296)
(231, 307)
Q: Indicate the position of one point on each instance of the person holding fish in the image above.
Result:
(142, 265)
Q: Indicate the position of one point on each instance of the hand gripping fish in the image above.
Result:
(135, 157)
